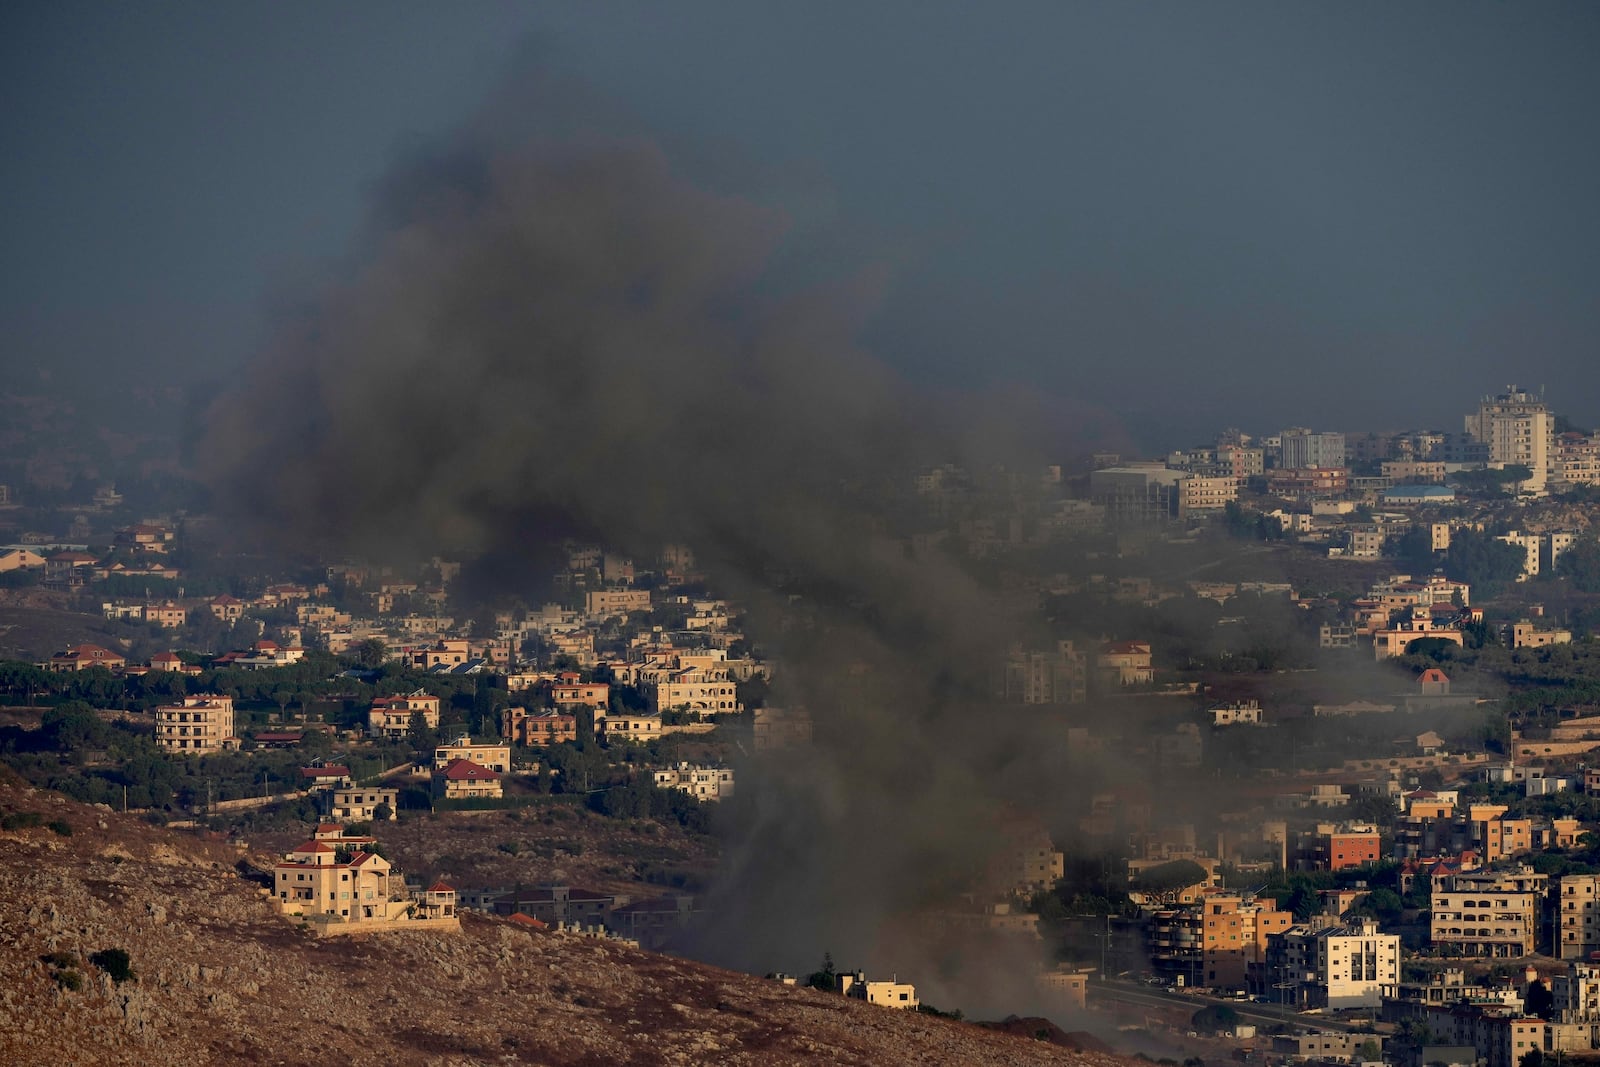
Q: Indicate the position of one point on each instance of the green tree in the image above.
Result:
(1539, 1000)
(824, 977)
(1580, 564)
(369, 654)
(1487, 564)
(115, 962)
(419, 735)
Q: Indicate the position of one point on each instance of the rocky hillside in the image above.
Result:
(209, 975)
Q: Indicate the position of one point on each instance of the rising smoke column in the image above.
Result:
(559, 335)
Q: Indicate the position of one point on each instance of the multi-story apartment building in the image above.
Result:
(1302, 448)
(709, 692)
(1518, 429)
(1487, 914)
(1576, 460)
(1336, 847)
(1351, 966)
(1578, 916)
(1501, 1035)
(1137, 494)
(1199, 493)
(1576, 994)
(200, 724)
(1309, 481)
(1043, 678)
(1236, 930)
(359, 804)
(616, 601)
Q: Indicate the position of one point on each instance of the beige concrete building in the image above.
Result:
(496, 758)
(199, 725)
(1126, 663)
(639, 728)
(702, 783)
(709, 692)
(326, 878)
(359, 803)
(1197, 494)
(616, 601)
(890, 994)
(1519, 429)
(1525, 635)
(390, 717)
(464, 780)
(1482, 922)
(1578, 916)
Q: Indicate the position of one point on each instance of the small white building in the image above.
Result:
(1238, 713)
(702, 783)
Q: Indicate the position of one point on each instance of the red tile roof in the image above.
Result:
(464, 770)
(441, 886)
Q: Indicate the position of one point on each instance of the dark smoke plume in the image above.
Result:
(562, 335)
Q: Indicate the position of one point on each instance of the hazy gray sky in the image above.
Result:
(1194, 215)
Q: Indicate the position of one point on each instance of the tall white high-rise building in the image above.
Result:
(1518, 428)
(1302, 448)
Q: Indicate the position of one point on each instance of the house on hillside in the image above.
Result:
(82, 658)
(390, 717)
(1126, 663)
(891, 994)
(462, 779)
(536, 729)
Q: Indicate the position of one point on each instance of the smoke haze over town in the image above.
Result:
(992, 496)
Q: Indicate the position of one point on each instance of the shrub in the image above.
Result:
(70, 980)
(113, 961)
(61, 827)
(17, 820)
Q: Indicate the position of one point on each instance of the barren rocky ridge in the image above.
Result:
(218, 978)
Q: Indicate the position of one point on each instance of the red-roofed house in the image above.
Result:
(317, 879)
(279, 738)
(438, 901)
(226, 608)
(83, 657)
(171, 661)
(1126, 663)
(461, 779)
(1435, 683)
(390, 717)
(330, 776)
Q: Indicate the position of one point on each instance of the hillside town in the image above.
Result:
(1323, 705)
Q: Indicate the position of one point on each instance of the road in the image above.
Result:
(1261, 1014)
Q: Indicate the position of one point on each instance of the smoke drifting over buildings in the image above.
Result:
(557, 336)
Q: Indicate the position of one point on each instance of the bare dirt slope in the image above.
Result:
(219, 979)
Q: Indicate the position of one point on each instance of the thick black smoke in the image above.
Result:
(563, 335)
